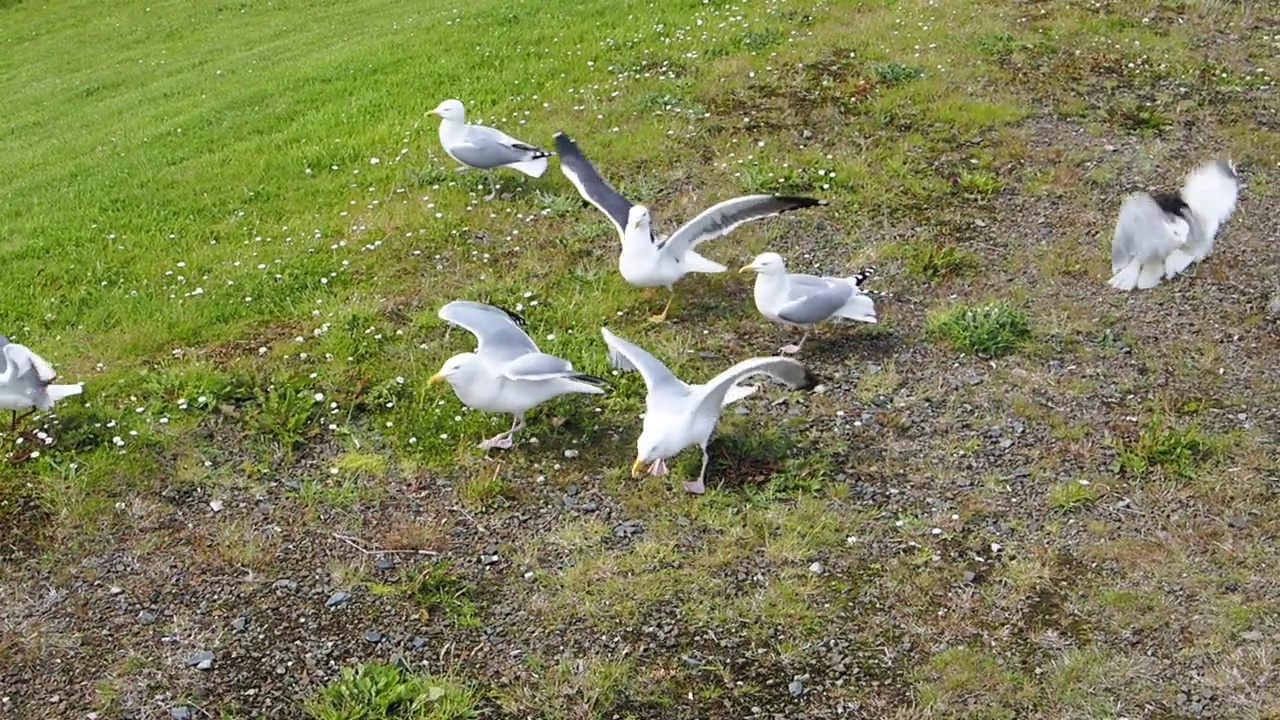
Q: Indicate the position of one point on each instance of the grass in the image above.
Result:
(988, 330)
(374, 691)
(234, 223)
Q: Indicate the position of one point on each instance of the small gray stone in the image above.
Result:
(969, 576)
(1273, 307)
(707, 355)
(418, 642)
(817, 568)
(338, 599)
(373, 636)
(116, 590)
(796, 688)
(570, 454)
(146, 617)
(182, 712)
(1238, 522)
(385, 562)
(489, 559)
(202, 660)
(285, 584)
(238, 624)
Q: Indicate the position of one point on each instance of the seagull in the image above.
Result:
(26, 381)
(484, 148)
(507, 373)
(678, 415)
(649, 260)
(806, 300)
(1160, 235)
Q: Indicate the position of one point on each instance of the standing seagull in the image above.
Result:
(649, 260)
(26, 381)
(484, 148)
(678, 415)
(507, 373)
(1160, 235)
(806, 300)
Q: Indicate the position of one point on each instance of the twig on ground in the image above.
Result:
(355, 543)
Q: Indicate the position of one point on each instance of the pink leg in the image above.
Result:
(793, 349)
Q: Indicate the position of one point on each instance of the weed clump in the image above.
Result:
(988, 331)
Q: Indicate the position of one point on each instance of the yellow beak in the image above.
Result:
(435, 379)
(745, 268)
(434, 112)
(637, 467)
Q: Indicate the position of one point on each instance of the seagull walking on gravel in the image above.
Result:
(507, 373)
(26, 382)
(649, 260)
(485, 148)
(806, 300)
(678, 415)
(1160, 235)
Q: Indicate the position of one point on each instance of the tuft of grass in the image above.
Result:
(1072, 494)
(988, 331)
(377, 691)
(1179, 452)
(933, 261)
(438, 589)
(895, 73)
(484, 491)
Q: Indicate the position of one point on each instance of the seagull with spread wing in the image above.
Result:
(649, 260)
(806, 300)
(678, 415)
(26, 381)
(1159, 235)
(483, 147)
(507, 373)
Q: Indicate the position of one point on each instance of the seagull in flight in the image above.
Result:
(649, 260)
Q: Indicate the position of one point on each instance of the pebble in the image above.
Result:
(385, 562)
(182, 712)
(418, 642)
(817, 568)
(1273, 307)
(146, 617)
(796, 688)
(215, 505)
(1238, 522)
(238, 624)
(373, 636)
(628, 528)
(338, 599)
(285, 584)
(116, 590)
(202, 660)
(571, 454)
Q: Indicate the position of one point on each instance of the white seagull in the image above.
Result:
(26, 382)
(806, 300)
(1160, 235)
(507, 373)
(649, 260)
(678, 415)
(484, 148)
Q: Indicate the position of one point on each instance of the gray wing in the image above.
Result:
(500, 338)
(590, 184)
(628, 356)
(486, 148)
(537, 366)
(1144, 230)
(721, 219)
(809, 305)
(711, 394)
(24, 368)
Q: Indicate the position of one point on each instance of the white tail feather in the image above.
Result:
(1127, 278)
(736, 393)
(54, 393)
(694, 262)
(532, 168)
(1176, 263)
(860, 307)
(1151, 274)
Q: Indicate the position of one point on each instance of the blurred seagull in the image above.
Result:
(507, 373)
(484, 148)
(678, 415)
(806, 300)
(26, 382)
(649, 260)
(1160, 235)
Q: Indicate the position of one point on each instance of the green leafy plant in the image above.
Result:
(988, 331)
(376, 691)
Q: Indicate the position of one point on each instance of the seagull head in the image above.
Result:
(638, 218)
(451, 368)
(769, 263)
(450, 110)
(647, 450)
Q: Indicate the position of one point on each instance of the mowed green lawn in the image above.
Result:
(234, 223)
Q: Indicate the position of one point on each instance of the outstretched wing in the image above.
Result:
(497, 332)
(590, 184)
(711, 395)
(1211, 191)
(625, 355)
(721, 219)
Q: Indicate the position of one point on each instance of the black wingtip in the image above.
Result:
(800, 201)
(517, 318)
(591, 379)
(811, 381)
